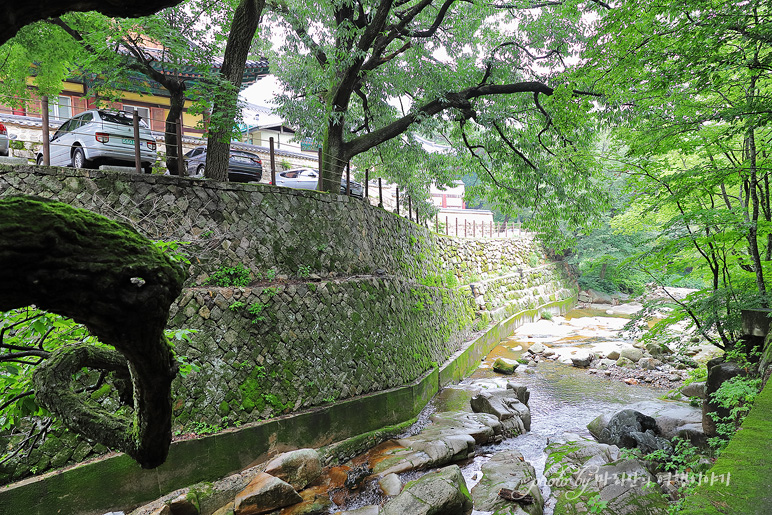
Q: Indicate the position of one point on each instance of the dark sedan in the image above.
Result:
(242, 166)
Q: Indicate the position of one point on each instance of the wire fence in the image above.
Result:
(140, 146)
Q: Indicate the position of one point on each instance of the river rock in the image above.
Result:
(451, 436)
(504, 404)
(537, 348)
(390, 485)
(582, 470)
(443, 491)
(264, 494)
(598, 297)
(694, 390)
(649, 363)
(718, 372)
(581, 359)
(505, 366)
(605, 363)
(521, 392)
(632, 429)
(625, 362)
(631, 353)
(183, 505)
(298, 468)
(613, 355)
(509, 470)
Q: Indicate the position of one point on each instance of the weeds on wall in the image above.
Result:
(238, 276)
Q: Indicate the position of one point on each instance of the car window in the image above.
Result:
(120, 118)
(86, 118)
(65, 128)
(308, 173)
(196, 151)
(290, 175)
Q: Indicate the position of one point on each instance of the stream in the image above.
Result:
(564, 399)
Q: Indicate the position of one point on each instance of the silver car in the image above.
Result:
(308, 178)
(100, 137)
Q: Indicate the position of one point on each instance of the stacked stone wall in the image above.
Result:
(345, 298)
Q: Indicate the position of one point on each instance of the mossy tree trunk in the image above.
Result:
(105, 275)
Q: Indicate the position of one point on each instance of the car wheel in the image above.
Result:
(200, 170)
(39, 160)
(78, 158)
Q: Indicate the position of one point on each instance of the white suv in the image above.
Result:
(100, 137)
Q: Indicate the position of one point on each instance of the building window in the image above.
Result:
(60, 108)
(144, 112)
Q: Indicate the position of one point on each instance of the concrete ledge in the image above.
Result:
(13, 160)
(116, 168)
(116, 482)
(742, 476)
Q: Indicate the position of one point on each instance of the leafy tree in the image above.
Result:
(365, 77)
(113, 50)
(18, 14)
(692, 90)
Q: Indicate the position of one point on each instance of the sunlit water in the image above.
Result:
(563, 399)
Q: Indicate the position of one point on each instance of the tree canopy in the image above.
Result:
(366, 77)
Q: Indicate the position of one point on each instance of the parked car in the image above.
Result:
(308, 178)
(3, 140)
(243, 166)
(99, 137)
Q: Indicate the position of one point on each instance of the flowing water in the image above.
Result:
(564, 399)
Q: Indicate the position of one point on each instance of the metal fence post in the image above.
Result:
(447, 227)
(456, 226)
(348, 179)
(273, 160)
(137, 143)
(180, 156)
(397, 200)
(46, 132)
(367, 184)
(409, 208)
(380, 193)
(319, 180)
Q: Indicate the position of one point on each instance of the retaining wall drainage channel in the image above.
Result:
(117, 483)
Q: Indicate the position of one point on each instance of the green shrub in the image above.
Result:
(238, 276)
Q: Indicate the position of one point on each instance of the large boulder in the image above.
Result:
(507, 470)
(451, 436)
(521, 392)
(696, 389)
(599, 297)
(298, 468)
(718, 373)
(264, 494)
(582, 473)
(505, 366)
(504, 404)
(435, 493)
(581, 359)
(631, 353)
(632, 429)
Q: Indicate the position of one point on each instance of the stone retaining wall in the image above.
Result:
(271, 230)
(358, 300)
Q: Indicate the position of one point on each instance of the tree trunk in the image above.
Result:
(176, 105)
(224, 110)
(114, 281)
(334, 159)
